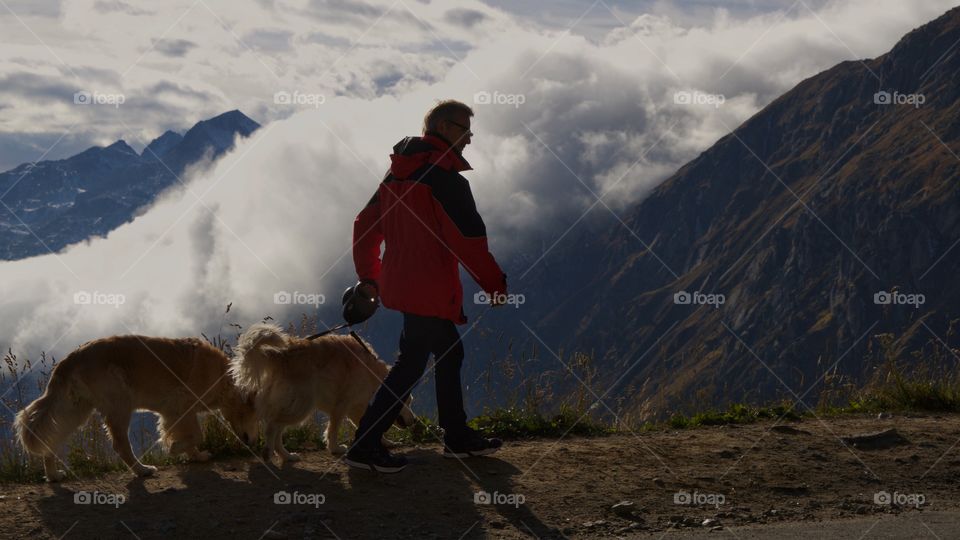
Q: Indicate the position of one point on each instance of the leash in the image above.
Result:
(328, 331)
(338, 327)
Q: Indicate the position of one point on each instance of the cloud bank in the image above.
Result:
(560, 120)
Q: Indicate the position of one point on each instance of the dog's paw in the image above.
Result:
(201, 456)
(291, 457)
(56, 476)
(338, 450)
(145, 470)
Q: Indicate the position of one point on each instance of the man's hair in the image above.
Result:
(444, 110)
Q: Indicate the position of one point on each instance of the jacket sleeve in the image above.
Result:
(367, 237)
(464, 233)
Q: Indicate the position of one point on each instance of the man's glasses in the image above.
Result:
(463, 127)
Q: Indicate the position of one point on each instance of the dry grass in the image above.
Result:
(528, 406)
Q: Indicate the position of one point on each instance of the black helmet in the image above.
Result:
(357, 305)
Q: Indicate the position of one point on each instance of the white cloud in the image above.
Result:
(278, 210)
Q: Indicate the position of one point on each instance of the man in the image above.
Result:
(424, 212)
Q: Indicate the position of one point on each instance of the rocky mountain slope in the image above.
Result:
(51, 204)
(842, 189)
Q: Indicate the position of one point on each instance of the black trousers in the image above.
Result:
(421, 337)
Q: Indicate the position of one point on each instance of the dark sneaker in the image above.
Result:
(469, 444)
(375, 459)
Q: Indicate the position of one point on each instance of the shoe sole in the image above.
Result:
(476, 453)
(372, 467)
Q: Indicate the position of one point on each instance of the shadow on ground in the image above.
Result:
(432, 498)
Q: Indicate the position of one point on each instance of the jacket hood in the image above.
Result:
(411, 153)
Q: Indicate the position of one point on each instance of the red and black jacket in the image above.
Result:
(425, 212)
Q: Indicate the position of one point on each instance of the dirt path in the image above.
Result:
(930, 524)
(740, 476)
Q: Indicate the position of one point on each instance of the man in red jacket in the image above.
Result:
(425, 214)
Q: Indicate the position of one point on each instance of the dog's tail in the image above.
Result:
(44, 424)
(250, 364)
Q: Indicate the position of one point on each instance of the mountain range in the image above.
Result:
(829, 218)
(49, 205)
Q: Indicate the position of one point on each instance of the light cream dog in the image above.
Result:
(176, 378)
(292, 377)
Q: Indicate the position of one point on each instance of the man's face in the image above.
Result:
(457, 131)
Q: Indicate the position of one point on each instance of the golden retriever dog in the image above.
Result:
(293, 377)
(175, 378)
